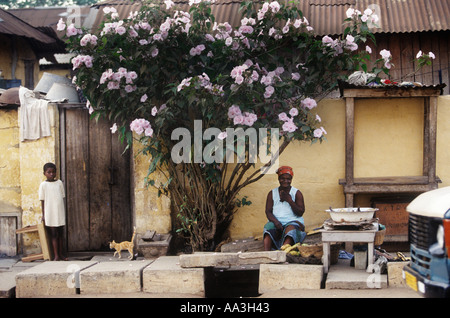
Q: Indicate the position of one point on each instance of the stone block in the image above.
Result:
(165, 275)
(231, 259)
(395, 274)
(113, 277)
(274, 277)
(50, 279)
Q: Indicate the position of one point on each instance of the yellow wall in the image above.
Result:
(10, 190)
(151, 212)
(21, 170)
(388, 142)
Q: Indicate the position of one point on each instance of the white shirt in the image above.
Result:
(52, 193)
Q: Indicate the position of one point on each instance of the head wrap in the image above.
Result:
(285, 169)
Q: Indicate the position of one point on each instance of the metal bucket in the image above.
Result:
(47, 80)
(60, 91)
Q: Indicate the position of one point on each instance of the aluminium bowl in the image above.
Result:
(351, 215)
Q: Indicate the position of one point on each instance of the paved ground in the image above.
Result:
(10, 266)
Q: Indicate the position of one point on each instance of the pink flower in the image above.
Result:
(169, 4)
(222, 135)
(144, 98)
(71, 30)
(154, 111)
(113, 85)
(130, 88)
(246, 29)
(319, 132)
(274, 6)
(148, 132)
(107, 75)
(250, 119)
(293, 112)
(266, 80)
(108, 10)
(309, 103)
(289, 126)
(88, 38)
(197, 50)
(140, 126)
(113, 128)
(318, 118)
(234, 111)
(283, 117)
(120, 30)
(239, 119)
(61, 25)
(295, 76)
(87, 60)
(385, 54)
(269, 91)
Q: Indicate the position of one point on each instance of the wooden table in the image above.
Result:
(364, 236)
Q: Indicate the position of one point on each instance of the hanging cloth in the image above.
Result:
(34, 118)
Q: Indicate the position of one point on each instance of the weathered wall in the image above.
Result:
(10, 192)
(21, 169)
(150, 211)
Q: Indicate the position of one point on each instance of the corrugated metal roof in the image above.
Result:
(49, 16)
(12, 25)
(326, 16)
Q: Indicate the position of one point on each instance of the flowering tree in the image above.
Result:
(163, 70)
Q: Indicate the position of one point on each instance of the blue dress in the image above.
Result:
(284, 214)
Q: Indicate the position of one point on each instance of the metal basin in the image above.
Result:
(351, 215)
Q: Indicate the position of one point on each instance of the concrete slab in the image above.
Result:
(113, 277)
(9, 267)
(343, 276)
(50, 279)
(395, 274)
(231, 259)
(274, 277)
(165, 275)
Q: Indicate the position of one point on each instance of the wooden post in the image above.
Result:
(349, 146)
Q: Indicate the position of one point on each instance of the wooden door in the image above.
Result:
(97, 179)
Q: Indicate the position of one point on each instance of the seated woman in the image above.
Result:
(284, 210)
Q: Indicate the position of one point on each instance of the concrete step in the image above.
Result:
(344, 276)
(165, 275)
(113, 276)
(274, 277)
(50, 279)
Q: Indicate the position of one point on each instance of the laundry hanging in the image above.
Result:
(34, 117)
